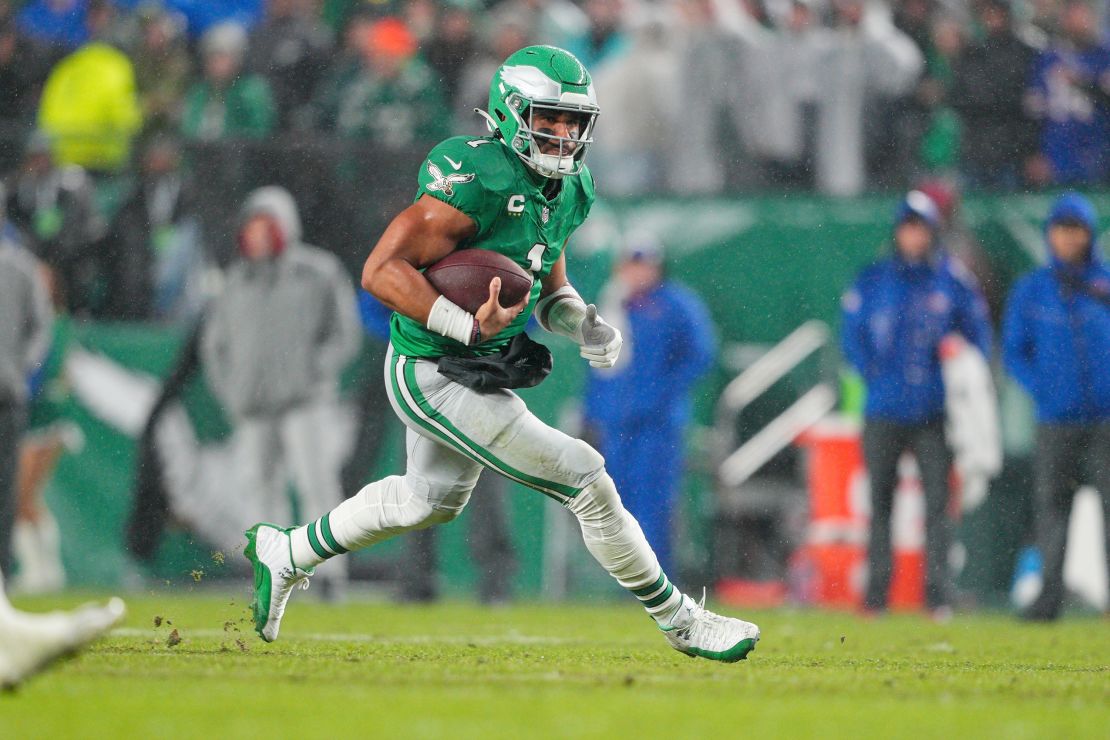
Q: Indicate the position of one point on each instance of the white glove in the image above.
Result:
(565, 313)
(600, 343)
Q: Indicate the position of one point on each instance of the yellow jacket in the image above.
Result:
(89, 108)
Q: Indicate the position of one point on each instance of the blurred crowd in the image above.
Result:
(111, 111)
(840, 95)
(837, 94)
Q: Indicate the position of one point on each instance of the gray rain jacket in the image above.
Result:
(284, 328)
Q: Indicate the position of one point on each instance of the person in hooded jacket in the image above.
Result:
(894, 319)
(273, 346)
(1056, 344)
(639, 412)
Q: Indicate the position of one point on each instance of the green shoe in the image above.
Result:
(271, 555)
(699, 633)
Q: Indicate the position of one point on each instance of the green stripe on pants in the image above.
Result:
(428, 418)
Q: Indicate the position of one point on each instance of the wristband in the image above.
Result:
(451, 321)
(476, 334)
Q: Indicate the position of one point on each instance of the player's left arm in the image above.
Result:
(562, 311)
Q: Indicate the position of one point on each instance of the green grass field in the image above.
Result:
(460, 671)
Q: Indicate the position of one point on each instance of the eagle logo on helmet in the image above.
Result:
(446, 183)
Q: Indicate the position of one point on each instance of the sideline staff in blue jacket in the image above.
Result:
(1056, 343)
(639, 410)
(894, 318)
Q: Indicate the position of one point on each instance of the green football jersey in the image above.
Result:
(484, 179)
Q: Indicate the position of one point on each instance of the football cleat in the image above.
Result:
(699, 633)
(31, 642)
(270, 553)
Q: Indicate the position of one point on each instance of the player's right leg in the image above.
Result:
(30, 642)
(435, 488)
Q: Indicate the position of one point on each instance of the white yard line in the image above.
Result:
(506, 639)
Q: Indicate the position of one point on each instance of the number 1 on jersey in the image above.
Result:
(535, 257)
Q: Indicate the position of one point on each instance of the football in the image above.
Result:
(464, 277)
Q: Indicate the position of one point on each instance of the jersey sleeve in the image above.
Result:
(453, 173)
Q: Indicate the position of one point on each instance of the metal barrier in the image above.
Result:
(735, 465)
(753, 531)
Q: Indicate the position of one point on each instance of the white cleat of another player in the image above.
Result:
(31, 642)
(699, 633)
(270, 553)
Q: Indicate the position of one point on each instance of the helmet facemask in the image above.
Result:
(537, 139)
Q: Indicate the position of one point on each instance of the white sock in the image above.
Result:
(26, 552)
(616, 541)
(50, 550)
(378, 512)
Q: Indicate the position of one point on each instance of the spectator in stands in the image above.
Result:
(274, 343)
(604, 39)
(939, 147)
(163, 68)
(915, 19)
(894, 319)
(506, 32)
(395, 101)
(154, 244)
(639, 410)
(290, 50)
(420, 17)
(56, 23)
(89, 106)
(1056, 343)
(790, 95)
(1070, 95)
(453, 45)
(864, 60)
(823, 94)
(720, 124)
(25, 321)
(227, 103)
(639, 137)
(548, 21)
(22, 71)
(988, 89)
(344, 68)
(54, 209)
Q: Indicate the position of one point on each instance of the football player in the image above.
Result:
(522, 191)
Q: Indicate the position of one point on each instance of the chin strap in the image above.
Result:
(490, 123)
